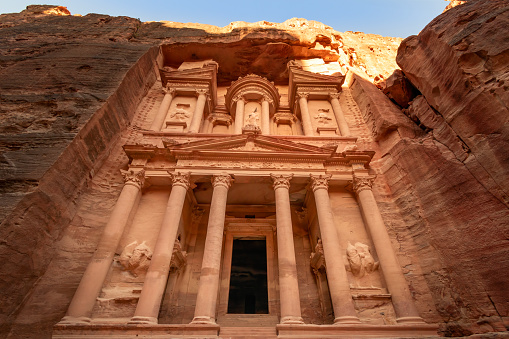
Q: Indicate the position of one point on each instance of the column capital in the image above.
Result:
(301, 95)
(203, 91)
(267, 98)
(333, 96)
(239, 97)
(169, 90)
(222, 180)
(180, 179)
(320, 181)
(281, 180)
(134, 178)
(362, 183)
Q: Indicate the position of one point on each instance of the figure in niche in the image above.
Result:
(360, 259)
(181, 113)
(135, 257)
(253, 118)
(322, 116)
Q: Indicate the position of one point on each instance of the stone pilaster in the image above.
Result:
(152, 292)
(288, 280)
(82, 304)
(342, 303)
(404, 306)
(205, 312)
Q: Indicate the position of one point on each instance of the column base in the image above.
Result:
(348, 319)
(203, 320)
(70, 320)
(410, 320)
(143, 320)
(291, 320)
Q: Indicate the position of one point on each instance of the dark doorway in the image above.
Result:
(248, 279)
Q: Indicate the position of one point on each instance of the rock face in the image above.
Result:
(453, 184)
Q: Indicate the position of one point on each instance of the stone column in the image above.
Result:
(152, 292)
(289, 297)
(205, 311)
(198, 111)
(338, 112)
(339, 287)
(304, 113)
(265, 115)
(158, 122)
(404, 306)
(82, 304)
(239, 114)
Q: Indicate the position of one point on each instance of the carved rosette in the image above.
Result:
(320, 182)
(134, 178)
(333, 96)
(180, 179)
(362, 183)
(222, 180)
(281, 180)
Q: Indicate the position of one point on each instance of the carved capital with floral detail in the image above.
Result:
(222, 180)
(180, 179)
(268, 99)
(202, 91)
(360, 184)
(239, 97)
(333, 96)
(301, 95)
(134, 178)
(320, 181)
(281, 180)
(169, 90)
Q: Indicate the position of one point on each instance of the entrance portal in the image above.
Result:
(248, 279)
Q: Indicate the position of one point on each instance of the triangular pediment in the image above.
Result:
(248, 143)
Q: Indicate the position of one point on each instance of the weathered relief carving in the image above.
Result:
(249, 164)
(360, 259)
(135, 258)
(322, 117)
(181, 112)
(178, 257)
(317, 257)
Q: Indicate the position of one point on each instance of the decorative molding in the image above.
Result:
(281, 180)
(222, 180)
(220, 119)
(200, 91)
(301, 95)
(134, 178)
(180, 179)
(169, 90)
(320, 181)
(285, 118)
(362, 183)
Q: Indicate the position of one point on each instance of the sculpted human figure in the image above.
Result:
(360, 259)
(253, 118)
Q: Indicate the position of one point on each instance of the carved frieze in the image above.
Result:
(232, 164)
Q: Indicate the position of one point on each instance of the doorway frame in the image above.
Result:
(257, 228)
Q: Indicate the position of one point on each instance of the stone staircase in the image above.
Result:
(247, 333)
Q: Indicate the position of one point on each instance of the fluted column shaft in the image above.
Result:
(156, 278)
(158, 122)
(339, 287)
(205, 311)
(239, 115)
(194, 127)
(338, 112)
(304, 112)
(82, 304)
(265, 116)
(405, 309)
(289, 296)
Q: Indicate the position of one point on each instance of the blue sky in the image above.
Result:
(398, 18)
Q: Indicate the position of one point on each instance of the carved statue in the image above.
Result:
(135, 257)
(253, 118)
(360, 259)
(322, 117)
(180, 114)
